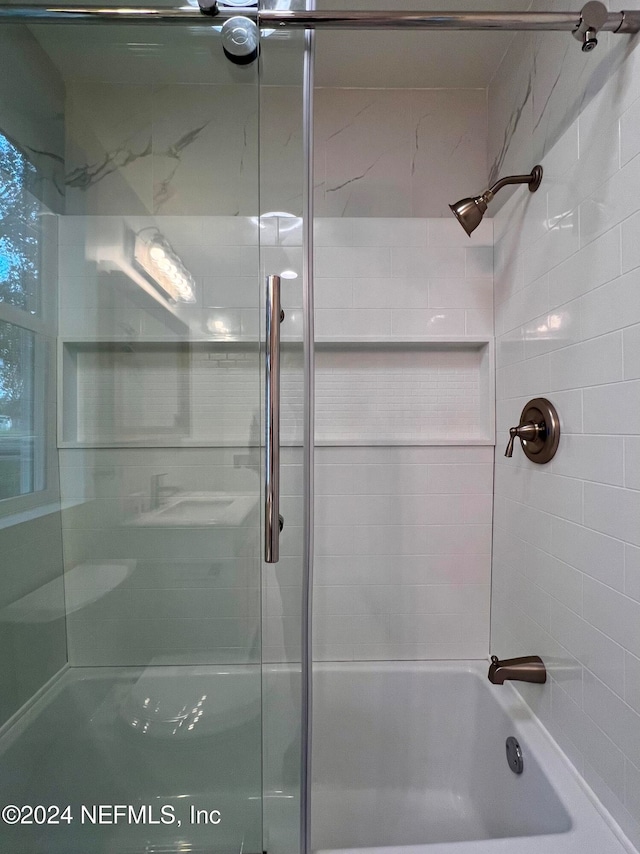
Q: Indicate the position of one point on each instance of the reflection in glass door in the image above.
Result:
(138, 146)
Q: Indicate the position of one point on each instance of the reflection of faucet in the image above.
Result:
(252, 459)
(158, 491)
(248, 461)
(529, 668)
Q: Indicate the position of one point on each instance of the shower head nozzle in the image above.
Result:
(469, 211)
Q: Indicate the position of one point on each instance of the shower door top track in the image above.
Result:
(626, 21)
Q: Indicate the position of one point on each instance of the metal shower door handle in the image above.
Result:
(273, 521)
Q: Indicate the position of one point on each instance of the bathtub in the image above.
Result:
(411, 757)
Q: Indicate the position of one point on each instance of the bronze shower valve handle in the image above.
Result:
(528, 431)
(538, 431)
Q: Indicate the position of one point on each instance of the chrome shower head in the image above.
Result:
(469, 211)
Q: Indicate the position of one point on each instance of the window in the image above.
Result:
(18, 443)
(26, 341)
(19, 230)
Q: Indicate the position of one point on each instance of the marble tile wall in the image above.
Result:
(136, 149)
(171, 150)
(32, 98)
(397, 153)
(566, 543)
(539, 89)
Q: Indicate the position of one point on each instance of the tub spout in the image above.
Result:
(528, 668)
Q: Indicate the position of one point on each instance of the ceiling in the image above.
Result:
(148, 53)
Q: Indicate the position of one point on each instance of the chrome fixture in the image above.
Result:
(514, 755)
(616, 22)
(624, 22)
(592, 18)
(469, 212)
(273, 521)
(158, 491)
(528, 668)
(538, 431)
(240, 40)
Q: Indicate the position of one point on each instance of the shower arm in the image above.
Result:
(532, 179)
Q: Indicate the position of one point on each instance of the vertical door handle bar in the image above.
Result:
(272, 518)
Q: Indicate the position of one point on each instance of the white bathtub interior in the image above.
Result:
(414, 755)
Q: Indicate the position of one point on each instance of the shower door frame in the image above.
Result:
(622, 22)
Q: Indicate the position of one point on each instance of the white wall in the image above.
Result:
(404, 469)
(567, 543)
(403, 524)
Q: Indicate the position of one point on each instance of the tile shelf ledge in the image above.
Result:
(387, 442)
(469, 340)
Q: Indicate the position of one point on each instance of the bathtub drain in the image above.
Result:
(514, 755)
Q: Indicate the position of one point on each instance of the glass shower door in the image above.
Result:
(141, 144)
(282, 174)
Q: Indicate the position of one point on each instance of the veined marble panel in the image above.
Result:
(397, 153)
(540, 88)
(193, 150)
(32, 97)
(171, 150)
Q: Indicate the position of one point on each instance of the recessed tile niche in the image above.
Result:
(205, 393)
(404, 393)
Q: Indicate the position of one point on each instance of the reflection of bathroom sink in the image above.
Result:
(190, 511)
(199, 509)
(83, 585)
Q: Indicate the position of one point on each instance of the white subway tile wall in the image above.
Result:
(402, 556)
(403, 528)
(391, 278)
(402, 537)
(566, 558)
